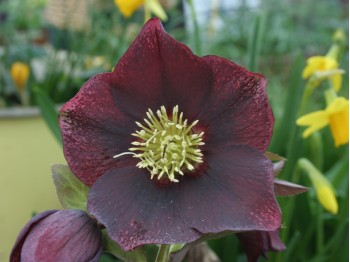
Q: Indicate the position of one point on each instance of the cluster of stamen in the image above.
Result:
(167, 145)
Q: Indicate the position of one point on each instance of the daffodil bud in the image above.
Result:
(324, 190)
(65, 235)
(339, 37)
(20, 75)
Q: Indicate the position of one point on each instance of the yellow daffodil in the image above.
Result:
(128, 7)
(324, 190)
(336, 115)
(324, 67)
(20, 75)
(319, 64)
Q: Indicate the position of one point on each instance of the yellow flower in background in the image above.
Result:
(336, 80)
(20, 75)
(324, 67)
(317, 64)
(339, 37)
(128, 7)
(336, 115)
(326, 197)
(324, 190)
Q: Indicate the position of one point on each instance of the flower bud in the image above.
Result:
(58, 235)
(19, 75)
(324, 190)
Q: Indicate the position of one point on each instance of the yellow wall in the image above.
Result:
(27, 151)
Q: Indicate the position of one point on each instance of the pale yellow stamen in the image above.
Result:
(167, 145)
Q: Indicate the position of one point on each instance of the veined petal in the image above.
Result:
(315, 121)
(94, 130)
(238, 111)
(157, 70)
(213, 201)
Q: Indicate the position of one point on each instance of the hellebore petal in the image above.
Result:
(157, 70)
(238, 111)
(231, 194)
(94, 130)
(66, 235)
(258, 243)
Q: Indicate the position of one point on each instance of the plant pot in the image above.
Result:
(27, 151)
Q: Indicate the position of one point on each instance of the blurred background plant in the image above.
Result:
(49, 48)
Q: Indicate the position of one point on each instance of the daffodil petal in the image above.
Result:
(315, 121)
(336, 81)
(128, 7)
(339, 104)
(308, 71)
(318, 63)
(339, 120)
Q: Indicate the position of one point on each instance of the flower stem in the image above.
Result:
(310, 86)
(320, 234)
(163, 253)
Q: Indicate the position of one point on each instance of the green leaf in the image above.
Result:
(48, 111)
(139, 254)
(71, 192)
(256, 40)
(285, 128)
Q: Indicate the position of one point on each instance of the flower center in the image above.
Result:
(167, 145)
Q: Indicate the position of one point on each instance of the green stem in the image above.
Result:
(197, 38)
(163, 253)
(316, 148)
(330, 96)
(320, 234)
(24, 98)
(310, 86)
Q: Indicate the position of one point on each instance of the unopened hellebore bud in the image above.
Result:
(58, 235)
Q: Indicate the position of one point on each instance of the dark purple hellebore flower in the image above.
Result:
(53, 236)
(258, 243)
(195, 164)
